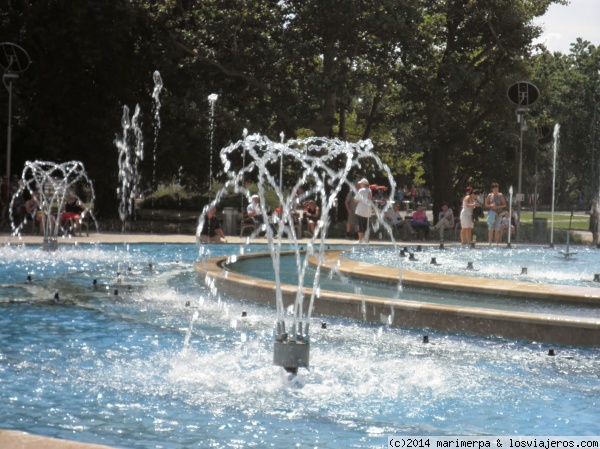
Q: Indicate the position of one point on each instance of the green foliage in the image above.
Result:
(425, 81)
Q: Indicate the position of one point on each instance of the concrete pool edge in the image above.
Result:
(14, 439)
(567, 294)
(514, 325)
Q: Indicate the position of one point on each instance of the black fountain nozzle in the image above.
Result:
(470, 266)
(402, 253)
(187, 303)
(441, 246)
(551, 352)
(419, 248)
(323, 325)
(244, 313)
(291, 369)
(551, 245)
(509, 245)
(597, 277)
(411, 256)
(425, 338)
(29, 279)
(433, 261)
(472, 244)
(116, 292)
(523, 270)
(56, 296)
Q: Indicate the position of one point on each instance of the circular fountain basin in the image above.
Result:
(174, 362)
(574, 317)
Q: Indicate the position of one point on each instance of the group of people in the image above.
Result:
(213, 233)
(498, 219)
(69, 218)
(361, 200)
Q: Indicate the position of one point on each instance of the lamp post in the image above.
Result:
(523, 94)
(13, 60)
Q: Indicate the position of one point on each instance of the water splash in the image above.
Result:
(555, 143)
(131, 153)
(322, 167)
(212, 99)
(158, 86)
(52, 183)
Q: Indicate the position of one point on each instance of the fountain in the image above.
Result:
(51, 183)
(131, 153)
(99, 368)
(321, 168)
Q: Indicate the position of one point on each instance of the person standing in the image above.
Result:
(495, 204)
(351, 209)
(363, 200)
(593, 213)
(469, 203)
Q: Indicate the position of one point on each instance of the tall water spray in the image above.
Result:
(322, 167)
(158, 86)
(52, 183)
(131, 153)
(212, 100)
(555, 143)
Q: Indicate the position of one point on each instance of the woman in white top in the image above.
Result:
(466, 215)
(363, 200)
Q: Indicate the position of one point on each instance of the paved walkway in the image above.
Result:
(108, 237)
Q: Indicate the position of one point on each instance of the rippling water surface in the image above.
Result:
(115, 369)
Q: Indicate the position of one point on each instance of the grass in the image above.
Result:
(562, 219)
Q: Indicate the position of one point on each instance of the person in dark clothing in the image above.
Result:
(211, 229)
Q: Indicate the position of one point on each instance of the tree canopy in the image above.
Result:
(426, 80)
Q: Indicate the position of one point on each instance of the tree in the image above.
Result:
(571, 84)
(471, 52)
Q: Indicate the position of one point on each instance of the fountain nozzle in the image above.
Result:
(291, 352)
(425, 338)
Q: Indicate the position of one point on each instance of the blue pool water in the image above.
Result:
(263, 268)
(116, 370)
(544, 265)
